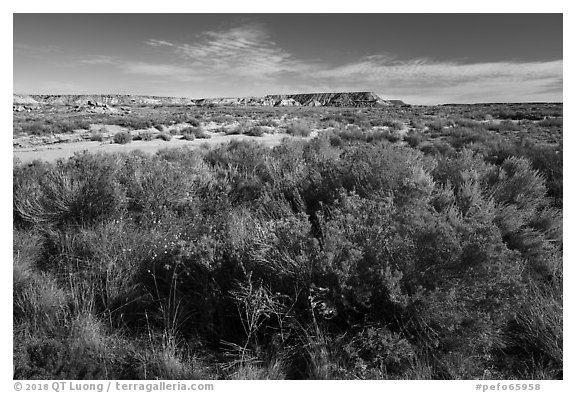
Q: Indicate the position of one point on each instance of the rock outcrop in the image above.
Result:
(103, 103)
(355, 99)
(23, 100)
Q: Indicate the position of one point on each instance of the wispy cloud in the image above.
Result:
(432, 81)
(35, 50)
(245, 50)
(153, 42)
(98, 59)
(423, 71)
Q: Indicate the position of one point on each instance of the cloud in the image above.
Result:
(98, 60)
(430, 81)
(34, 50)
(153, 42)
(245, 50)
(426, 71)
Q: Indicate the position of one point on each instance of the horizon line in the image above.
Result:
(279, 94)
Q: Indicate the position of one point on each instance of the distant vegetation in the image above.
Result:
(424, 243)
(195, 132)
(122, 137)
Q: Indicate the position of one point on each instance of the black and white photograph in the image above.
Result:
(287, 196)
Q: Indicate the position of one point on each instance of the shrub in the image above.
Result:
(146, 135)
(322, 258)
(505, 125)
(196, 132)
(54, 126)
(379, 135)
(391, 124)
(36, 128)
(165, 136)
(417, 124)
(268, 123)
(350, 133)
(133, 123)
(461, 136)
(551, 122)
(413, 138)
(238, 130)
(254, 131)
(97, 136)
(299, 128)
(535, 334)
(335, 140)
(83, 191)
(122, 137)
(193, 122)
(438, 124)
(468, 123)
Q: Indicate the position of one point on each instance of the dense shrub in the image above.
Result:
(54, 126)
(343, 256)
(135, 123)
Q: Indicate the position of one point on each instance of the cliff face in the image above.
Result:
(109, 99)
(354, 99)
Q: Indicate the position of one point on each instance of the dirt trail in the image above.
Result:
(52, 153)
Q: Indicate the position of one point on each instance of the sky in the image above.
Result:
(418, 58)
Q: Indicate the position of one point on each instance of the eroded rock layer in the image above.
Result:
(350, 99)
